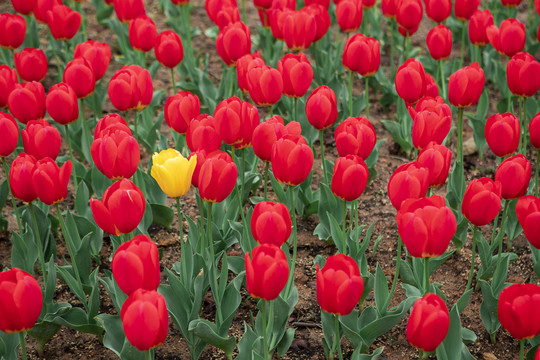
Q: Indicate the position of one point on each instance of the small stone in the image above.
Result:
(488, 356)
(469, 147)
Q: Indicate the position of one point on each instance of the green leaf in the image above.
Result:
(43, 332)
(357, 355)
(381, 290)
(162, 215)
(24, 252)
(9, 346)
(488, 308)
(450, 349)
(327, 204)
(208, 332)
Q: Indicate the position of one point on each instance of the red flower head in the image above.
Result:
(9, 134)
(50, 181)
(63, 22)
(42, 7)
(409, 181)
(201, 158)
(411, 81)
(514, 174)
(432, 89)
(235, 121)
(463, 9)
(349, 15)
(127, 10)
(262, 4)
(233, 42)
(116, 153)
(296, 73)
(267, 272)
(479, 22)
(355, 136)
(110, 121)
(466, 86)
(534, 131)
(429, 323)
(502, 134)
(523, 74)
(321, 108)
(24, 7)
(510, 3)
(12, 31)
(214, 6)
(350, 177)
(217, 177)
(408, 16)
(79, 75)
(436, 158)
(362, 55)
(528, 214)
(430, 126)
(292, 160)
(142, 33)
(509, 38)
(324, 3)
(180, 109)
(97, 54)
(202, 134)
(438, 10)
(243, 65)
(41, 140)
(389, 8)
(31, 64)
(433, 104)
(439, 42)
(61, 103)
(299, 29)
(276, 18)
(131, 88)
(482, 201)
(8, 80)
(322, 19)
(268, 132)
(27, 101)
(270, 223)
(227, 14)
(168, 49)
(20, 177)
(265, 85)
(519, 310)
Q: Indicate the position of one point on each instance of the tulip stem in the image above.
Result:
(295, 109)
(441, 71)
(244, 11)
(336, 344)
(469, 282)
(290, 281)
(321, 140)
(187, 23)
(148, 354)
(267, 164)
(71, 156)
(521, 349)
(265, 331)
(460, 136)
(173, 81)
(355, 213)
(392, 61)
(462, 45)
(396, 275)
(344, 225)
(68, 245)
(523, 113)
(136, 123)
(22, 335)
(86, 133)
(500, 235)
(179, 214)
(367, 97)
(537, 171)
(201, 218)
(38, 242)
(426, 275)
(350, 93)
(15, 207)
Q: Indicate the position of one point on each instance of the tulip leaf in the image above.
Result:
(208, 332)
(463, 301)
(24, 252)
(381, 290)
(286, 341)
(499, 277)
(9, 346)
(81, 201)
(247, 343)
(115, 340)
(357, 355)
(43, 332)
(512, 227)
(77, 319)
(162, 215)
(337, 234)
(116, 294)
(488, 308)
(450, 348)
(327, 204)
(394, 128)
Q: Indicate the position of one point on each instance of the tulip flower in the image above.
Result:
(296, 73)
(168, 49)
(432, 90)
(430, 126)
(534, 131)
(20, 301)
(482, 201)
(41, 140)
(131, 88)
(226, 14)
(144, 318)
(8, 80)
(408, 16)
(80, 76)
(12, 31)
(528, 214)
(389, 8)
(509, 38)
(362, 47)
(9, 134)
(142, 33)
(432, 104)
(523, 75)
(31, 64)
(24, 7)
(271, 223)
(243, 65)
(233, 42)
(478, 23)
(502, 134)
(519, 310)
(127, 10)
(439, 42)
(27, 101)
(349, 15)
(214, 6)
(42, 7)
(202, 134)
(368, 4)
(267, 271)
(276, 19)
(411, 81)
(110, 122)
(135, 265)
(350, 177)
(510, 3)
(217, 177)
(409, 181)
(173, 172)
(20, 177)
(63, 22)
(180, 109)
(265, 85)
(429, 323)
(201, 158)
(514, 174)
(97, 54)
(262, 4)
(121, 198)
(61, 104)
(235, 121)
(324, 3)
(463, 9)
(299, 30)
(116, 154)
(292, 160)
(355, 136)
(321, 108)
(438, 10)
(322, 19)
(436, 158)
(50, 181)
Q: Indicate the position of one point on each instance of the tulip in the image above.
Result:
(438, 10)
(409, 181)
(411, 81)
(201, 158)
(466, 86)
(127, 10)
(41, 140)
(321, 108)
(116, 154)
(292, 160)
(324, 3)
(519, 310)
(362, 55)
(389, 8)
(369, 4)
(145, 318)
(429, 323)
(227, 14)
(42, 7)
(97, 54)
(142, 33)
(276, 18)
(299, 30)
(173, 172)
(50, 181)
(350, 177)
(349, 15)
(432, 104)
(262, 4)
(202, 134)
(478, 23)
(24, 7)
(9, 134)
(514, 174)
(523, 75)
(322, 19)
(63, 22)
(482, 201)
(180, 109)
(430, 126)
(243, 65)
(439, 42)
(463, 9)
(534, 131)
(217, 177)
(528, 214)
(296, 73)
(31, 64)
(214, 6)
(180, 2)
(271, 223)
(110, 121)
(355, 136)
(79, 75)
(502, 134)
(339, 285)
(12, 31)
(265, 85)
(121, 198)
(61, 104)
(20, 177)
(510, 3)
(268, 132)
(135, 265)
(20, 301)
(131, 88)
(432, 90)
(8, 80)
(509, 38)
(168, 49)
(233, 42)
(235, 121)
(436, 158)
(267, 272)
(27, 101)
(408, 16)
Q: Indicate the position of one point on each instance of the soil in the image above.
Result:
(374, 207)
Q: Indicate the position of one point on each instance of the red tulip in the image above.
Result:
(339, 285)
(362, 55)
(262, 4)
(20, 177)
(233, 42)
(12, 31)
(519, 310)
(80, 76)
(42, 7)
(127, 10)
(322, 19)
(142, 33)
(27, 101)
(409, 181)
(97, 54)
(429, 323)
(349, 15)
(299, 30)
(482, 201)
(202, 134)
(296, 73)
(63, 22)
(321, 108)
(514, 174)
(8, 80)
(180, 2)
(436, 158)
(201, 158)
(31, 64)
(439, 42)
(265, 85)
(411, 81)
(268, 132)
(235, 121)
(267, 272)
(131, 88)
(426, 226)
(217, 177)
(355, 136)
(180, 109)
(110, 121)
(438, 10)
(243, 65)
(432, 104)
(528, 214)
(276, 18)
(121, 198)
(509, 38)
(20, 301)
(24, 7)
(534, 131)
(523, 74)
(432, 90)
(144, 318)
(116, 153)
(227, 14)
(168, 49)
(61, 103)
(479, 22)
(270, 223)
(9, 134)
(350, 177)
(466, 86)
(463, 9)
(41, 140)
(430, 126)
(292, 160)
(502, 134)
(510, 3)
(50, 181)
(214, 6)
(408, 16)
(324, 3)
(368, 4)
(135, 265)
(537, 6)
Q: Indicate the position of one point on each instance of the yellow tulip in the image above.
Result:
(173, 172)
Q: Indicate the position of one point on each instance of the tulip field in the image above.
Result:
(270, 179)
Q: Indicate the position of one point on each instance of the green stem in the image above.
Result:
(524, 126)
(71, 156)
(267, 164)
(271, 110)
(367, 98)
(460, 136)
(22, 335)
(407, 46)
(336, 344)
(321, 140)
(38, 242)
(201, 218)
(469, 282)
(244, 11)
(421, 354)
(392, 61)
(462, 44)
(136, 123)
(85, 130)
(396, 275)
(295, 109)
(500, 235)
(173, 81)
(231, 81)
(426, 275)
(179, 214)
(265, 332)
(356, 213)
(68, 244)
(15, 207)
(148, 355)
(350, 93)
(209, 231)
(443, 86)
(59, 68)
(537, 171)
(521, 349)
(344, 225)
(187, 21)
(290, 281)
